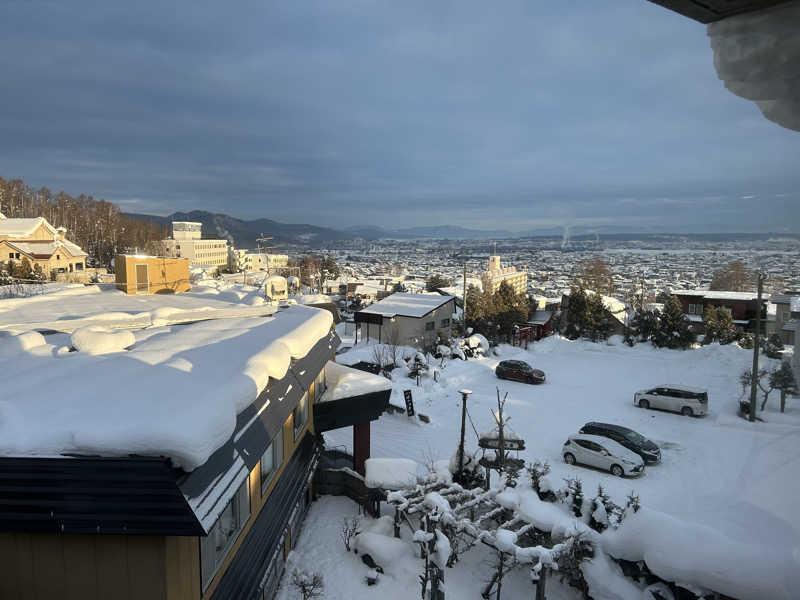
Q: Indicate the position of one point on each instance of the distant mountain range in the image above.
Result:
(244, 234)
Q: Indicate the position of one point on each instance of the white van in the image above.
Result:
(682, 399)
(602, 453)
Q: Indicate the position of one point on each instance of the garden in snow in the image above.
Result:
(717, 514)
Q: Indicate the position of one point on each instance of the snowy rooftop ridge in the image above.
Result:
(407, 305)
(720, 295)
(175, 393)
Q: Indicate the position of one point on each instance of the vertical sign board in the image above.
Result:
(409, 403)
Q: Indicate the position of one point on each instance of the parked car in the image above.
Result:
(602, 453)
(633, 441)
(676, 398)
(518, 370)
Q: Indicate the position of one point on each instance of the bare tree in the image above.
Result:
(350, 529)
(309, 585)
(735, 277)
(595, 274)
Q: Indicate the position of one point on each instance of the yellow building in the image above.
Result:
(151, 274)
(41, 244)
(496, 274)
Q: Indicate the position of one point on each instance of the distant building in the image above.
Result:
(247, 260)
(496, 275)
(151, 274)
(187, 242)
(41, 244)
(408, 319)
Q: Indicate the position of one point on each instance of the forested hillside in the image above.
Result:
(97, 226)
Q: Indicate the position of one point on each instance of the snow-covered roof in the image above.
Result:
(45, 248)
(407, 305)
(346, 382)
(22, 228)
(720, 295)
(176, 392)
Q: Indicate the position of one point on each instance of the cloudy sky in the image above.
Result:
(513, 115)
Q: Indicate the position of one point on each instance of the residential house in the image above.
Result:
(41, 244)
(404, 319)
(787, 317)
(743, 306)
(127, 490)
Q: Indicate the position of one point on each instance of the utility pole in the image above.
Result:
(756, 343)
(464, 298)
(464, 395)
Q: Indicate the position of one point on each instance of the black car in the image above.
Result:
(635, 442)
(518, 370)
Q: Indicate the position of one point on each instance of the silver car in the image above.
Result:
(682, 399)
(602, 453)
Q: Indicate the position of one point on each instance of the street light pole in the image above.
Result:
(464, 395)
(756, 343)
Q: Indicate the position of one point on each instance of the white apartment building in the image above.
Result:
(496, 275)
(247, 260)
(187, 242)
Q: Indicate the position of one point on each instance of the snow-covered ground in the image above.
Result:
(60, 302)
(740, 480)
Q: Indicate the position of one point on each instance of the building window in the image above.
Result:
(300, 415)
(79, 266)
(691, 309)
(445, 323)
(271, 460)
(430, 325)
(215, 546)
(11, 255)
(58, 257)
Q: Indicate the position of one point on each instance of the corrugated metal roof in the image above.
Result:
(93, 495)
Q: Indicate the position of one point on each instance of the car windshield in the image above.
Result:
(635, 437)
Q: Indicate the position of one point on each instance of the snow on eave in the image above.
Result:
(408, 305)
(346, 382)
(175, 393)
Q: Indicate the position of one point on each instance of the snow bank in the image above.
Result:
(392, 473)
(176, 393)
(312, 298)
(12, 345)
(684, 552)
(385, 551)
(606, 581)
(344, 382)
(98, 340)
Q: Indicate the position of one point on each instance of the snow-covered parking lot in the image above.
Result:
(740, 479)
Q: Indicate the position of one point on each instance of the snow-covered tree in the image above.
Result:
(783, 379)
(674, 330)
(773, 346)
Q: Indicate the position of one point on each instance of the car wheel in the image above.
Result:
(687, 411)
(569, 458)
(617, 471)
(644, 404)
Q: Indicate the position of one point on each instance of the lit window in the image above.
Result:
(271, 460)
(300, 415)
(215, 546)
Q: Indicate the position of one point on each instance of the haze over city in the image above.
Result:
(520, 117)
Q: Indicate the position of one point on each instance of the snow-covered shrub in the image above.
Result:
(773, 346)
(540, 483)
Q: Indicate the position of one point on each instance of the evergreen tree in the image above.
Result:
(576, 313)
(436, 281)
(597, 321)
(645, 324)
(710, 323)
(22, 269)
(726, 330)
(399, 288)
(674, 330)
(783, 379)
(510, 308)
